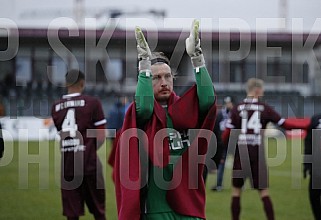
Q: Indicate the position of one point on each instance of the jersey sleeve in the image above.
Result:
(54, 117)
(144, 97)
(273, 116)
(205, 89)
(98, 116)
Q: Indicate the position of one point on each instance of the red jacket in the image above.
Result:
(187, 193)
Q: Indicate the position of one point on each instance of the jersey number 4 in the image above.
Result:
(253, 123)
(69, 124)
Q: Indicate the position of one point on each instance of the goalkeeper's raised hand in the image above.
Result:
(144, 53)
(193, 46)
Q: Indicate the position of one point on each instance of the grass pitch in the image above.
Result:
(29, 184)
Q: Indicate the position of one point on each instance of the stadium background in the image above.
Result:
(32, 79)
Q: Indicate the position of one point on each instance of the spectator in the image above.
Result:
(221, 119)
(116, 115)
(115, 121)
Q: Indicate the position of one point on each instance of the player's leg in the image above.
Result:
(72, 202)
(220, 174)
(267, 204)
(94, 193)
(260, 182)
(237, 184)
(314, 196)
(236, 203)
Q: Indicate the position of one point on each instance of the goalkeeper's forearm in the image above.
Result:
(205, 89)
(144, 96)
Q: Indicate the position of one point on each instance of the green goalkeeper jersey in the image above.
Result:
(159, 178)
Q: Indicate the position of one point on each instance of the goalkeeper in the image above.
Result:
(170, 179)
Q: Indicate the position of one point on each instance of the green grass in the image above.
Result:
(32, 191)
(289, 192)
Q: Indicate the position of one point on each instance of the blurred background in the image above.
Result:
(277, 41)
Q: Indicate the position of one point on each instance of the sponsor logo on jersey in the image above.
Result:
(72, 145)
(178, 140)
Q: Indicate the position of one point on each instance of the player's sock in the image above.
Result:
(236, 208)
(100, 217)
(268, 207)
(73, 218)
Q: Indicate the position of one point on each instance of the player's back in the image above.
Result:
(74, 111)
(73, 116)
(251, 117)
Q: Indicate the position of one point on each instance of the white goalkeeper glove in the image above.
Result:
(193, 46)
(144, 53)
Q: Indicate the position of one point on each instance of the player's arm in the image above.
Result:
(101, 135)
(54, 117)
(144, 96)
(100, 123)
(289, 124)
(205, 89)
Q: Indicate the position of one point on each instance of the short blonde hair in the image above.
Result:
(253, 83)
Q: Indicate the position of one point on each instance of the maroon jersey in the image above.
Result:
(73, 115)
(251, 116)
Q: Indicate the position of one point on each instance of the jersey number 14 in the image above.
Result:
(254, 123)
